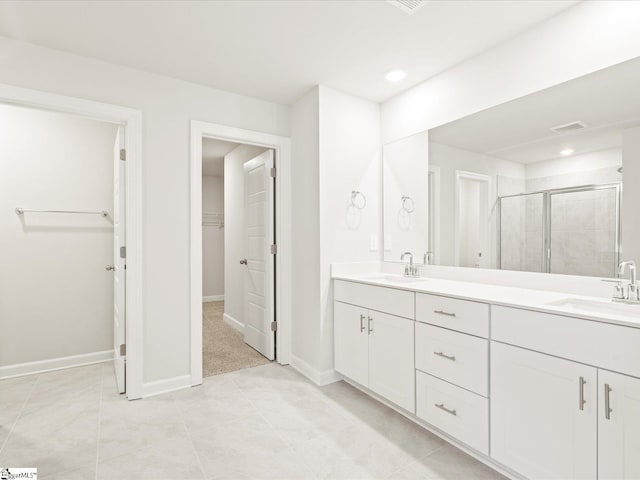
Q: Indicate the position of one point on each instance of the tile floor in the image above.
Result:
(266, 422)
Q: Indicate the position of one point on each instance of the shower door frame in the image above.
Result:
(546, 219)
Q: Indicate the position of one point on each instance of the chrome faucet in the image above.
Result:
(633, 293)
(410, 270)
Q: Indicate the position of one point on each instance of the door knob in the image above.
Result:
(243, 261)
(109, 267)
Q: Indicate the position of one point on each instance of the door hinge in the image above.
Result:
(123, 252)
(123, 350)
(273, 172)
(274, 249)
(123, 154)
(274, 326)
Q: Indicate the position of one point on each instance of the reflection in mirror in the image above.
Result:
(536, 184)
(405, 194)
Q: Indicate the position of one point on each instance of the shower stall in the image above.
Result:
(574, 231)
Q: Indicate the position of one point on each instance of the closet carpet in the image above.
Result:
(223, 347)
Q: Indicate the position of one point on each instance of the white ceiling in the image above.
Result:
(607, 101)
(277, 50)
(213, 152)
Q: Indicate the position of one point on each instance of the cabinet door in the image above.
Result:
(351, 342)
(391, 362)
(619, 427)
(543, 414)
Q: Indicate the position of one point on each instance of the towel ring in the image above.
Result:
(407, 204)
(358, 199)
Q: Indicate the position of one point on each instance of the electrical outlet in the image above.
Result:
(373, 243)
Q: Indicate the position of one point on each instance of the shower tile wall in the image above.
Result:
(583, 233)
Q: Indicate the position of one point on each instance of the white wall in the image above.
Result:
(450, 160)
(168, 105)
(349, 159)
(234, 228)
(307, 331)
(212, 238)
(580, 40)
(631, 195)
(56, 298)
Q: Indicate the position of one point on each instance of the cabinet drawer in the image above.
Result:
(452, 356)
(455, 411)
(613, 347)
(461, 315)
(387, 300)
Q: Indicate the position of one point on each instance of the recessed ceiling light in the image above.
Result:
(395, 75)
(566, 152)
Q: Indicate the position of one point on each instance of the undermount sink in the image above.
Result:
(596, 306)
(387, 277)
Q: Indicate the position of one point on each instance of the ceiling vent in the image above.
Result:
(408, 6)
(568, 127)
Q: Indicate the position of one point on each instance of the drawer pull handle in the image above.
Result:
(607, 403)
(442, 407)
(370, 325)
(442, 312)
(444, 355)
(362, 327)
(581, 400)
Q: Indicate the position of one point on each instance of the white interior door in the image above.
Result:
(258, 263)
(119, 196)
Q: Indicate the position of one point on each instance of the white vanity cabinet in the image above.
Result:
(537, 394)
(556, 412)
(543, 414)
(373, 348)
(618, 426)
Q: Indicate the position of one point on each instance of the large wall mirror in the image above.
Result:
(535, 184)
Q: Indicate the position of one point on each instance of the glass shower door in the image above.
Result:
(521, 232)
(583, 225)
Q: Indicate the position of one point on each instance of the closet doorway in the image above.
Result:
(70, 198)
(237, 265)
(62, 285)
(239, 289)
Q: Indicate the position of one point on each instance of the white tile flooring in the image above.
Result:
(266, 422)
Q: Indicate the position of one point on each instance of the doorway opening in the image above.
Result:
(62, 210)
(60, 213)
(472, 219)
(240, 255)
(238, 278)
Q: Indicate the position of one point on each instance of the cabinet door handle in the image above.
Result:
(370, 324)
(607, 403)
(442, 312)
(362, 327)
(442, 407)
(444, 355)
(581, 400)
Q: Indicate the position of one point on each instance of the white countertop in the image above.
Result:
(603, 310)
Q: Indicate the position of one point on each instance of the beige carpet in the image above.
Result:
(223, 347)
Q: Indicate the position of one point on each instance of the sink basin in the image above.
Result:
(598, 307)
(387, 277)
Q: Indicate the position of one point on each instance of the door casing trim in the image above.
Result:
(282, 147)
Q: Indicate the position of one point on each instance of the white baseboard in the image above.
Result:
(233, 323)
(164, 386)
(41, 366)
(317, 377)
(213, 298)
